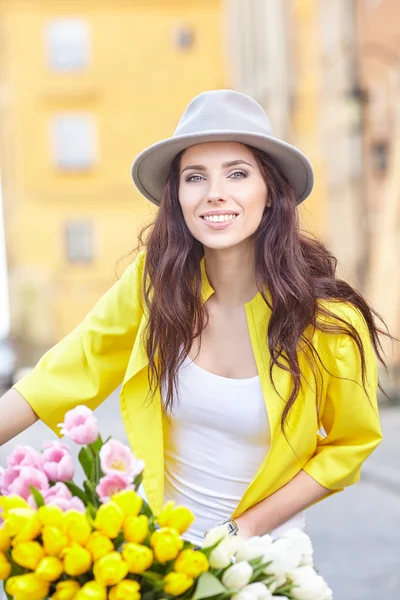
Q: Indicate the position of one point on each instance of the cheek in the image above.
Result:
(256, 202)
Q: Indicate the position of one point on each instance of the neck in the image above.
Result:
(231, 272)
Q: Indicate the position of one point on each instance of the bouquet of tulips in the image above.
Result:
(101, 541)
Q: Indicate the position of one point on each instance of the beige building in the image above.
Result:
(84, 86)
(379, 64)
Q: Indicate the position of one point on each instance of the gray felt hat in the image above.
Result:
(221, 116)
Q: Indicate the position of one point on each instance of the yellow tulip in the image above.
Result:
(166, 544)
(165, 514)
(138, 558)
(49, 569)
(99, 545)
(177, 583)
(109, 519)
(28, 554)
(29, 532)
(92, 591)
(13, 501)
(27, 587)
(136, 529)
(5, 567)
(125, 590)
(22, 522)
(179, 518)
(129, 502)
(77, 527)
(66, 590)
(50, 514)
(77, 560)
(191, 562)
(110, 569)
(5, 541)
(53, 540)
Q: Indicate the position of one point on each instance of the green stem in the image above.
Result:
(96, 465)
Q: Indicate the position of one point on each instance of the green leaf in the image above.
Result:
(207, 586)
(87, 461)
(146, 510)
(37, 496)
(152, 576)
(97, 444)
(138, 481)
(76, 491)
(149, 595)
(261, 568)
(90, 489)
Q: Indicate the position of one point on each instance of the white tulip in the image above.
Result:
(222, 556)
(237, 576)
(278, 582)
(285, 557)
(303, 543)
(259, 591)
(243, 595)
(307, 585)
(254, 547)
(214, 535)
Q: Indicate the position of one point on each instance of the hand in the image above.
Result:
(245, 529)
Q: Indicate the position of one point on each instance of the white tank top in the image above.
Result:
(214, 443)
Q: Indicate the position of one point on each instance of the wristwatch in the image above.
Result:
(230, 525)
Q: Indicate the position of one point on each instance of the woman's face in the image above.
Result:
(222, 193)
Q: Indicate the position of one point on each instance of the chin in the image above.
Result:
(219, 242)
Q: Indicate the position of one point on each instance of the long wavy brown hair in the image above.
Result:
(296, 270)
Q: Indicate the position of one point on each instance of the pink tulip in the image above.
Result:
(24, 456)
(80, 425)
(111, 484)
(117, 458)
(29, 476)
(57, 461)
(7, 477)
(60, 496)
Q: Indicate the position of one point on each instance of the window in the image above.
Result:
(79, 239)
(67, 41)
(74, 141)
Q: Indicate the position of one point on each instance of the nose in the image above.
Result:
(215, 194)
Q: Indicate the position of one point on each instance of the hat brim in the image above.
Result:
(150, 168)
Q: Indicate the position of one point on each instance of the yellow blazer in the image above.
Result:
(107, 350)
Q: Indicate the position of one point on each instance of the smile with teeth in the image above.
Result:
(219, 218)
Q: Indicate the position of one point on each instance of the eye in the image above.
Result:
(238, 175)
(194, 178)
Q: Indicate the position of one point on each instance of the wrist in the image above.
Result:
(245, 529)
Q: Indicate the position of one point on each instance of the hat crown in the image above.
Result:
(223, 110)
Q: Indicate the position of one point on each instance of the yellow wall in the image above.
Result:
(306, 116)
(137, 86)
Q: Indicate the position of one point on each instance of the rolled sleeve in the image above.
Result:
(350, 417)
(88, 364)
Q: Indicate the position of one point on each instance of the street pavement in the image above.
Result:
(356, 533)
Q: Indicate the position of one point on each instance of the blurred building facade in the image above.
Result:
(84, 86)
(378, 41)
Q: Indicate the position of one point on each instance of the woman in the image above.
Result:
(248, 370)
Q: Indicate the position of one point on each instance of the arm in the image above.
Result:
(88, 364)
(300, 493)
(16, 415)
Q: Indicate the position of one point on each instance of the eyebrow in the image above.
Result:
(225, 165)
